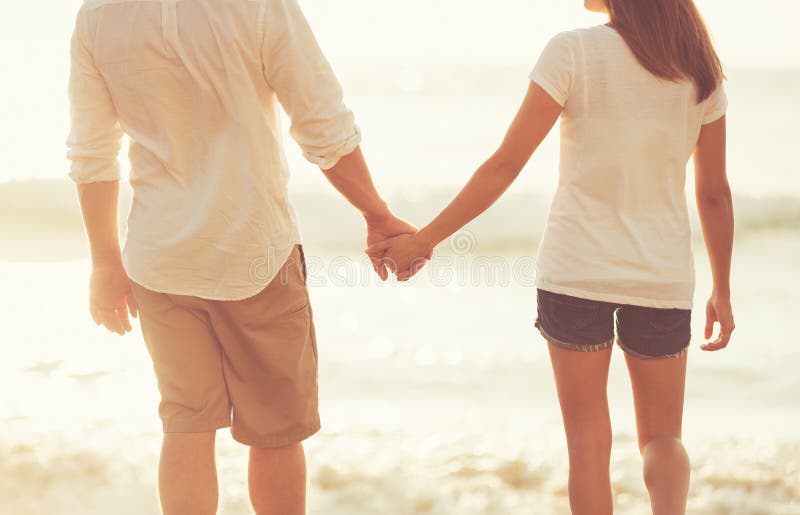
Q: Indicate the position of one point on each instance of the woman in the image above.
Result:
(636, 98)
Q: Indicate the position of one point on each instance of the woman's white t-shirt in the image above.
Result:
(618, 228)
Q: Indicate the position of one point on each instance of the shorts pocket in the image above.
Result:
(297, 311)
(573, 312)
(303, 264)
(667, 320)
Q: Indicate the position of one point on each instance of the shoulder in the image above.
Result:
(585, 34)
(278, 9)
(565, 39)
(561, 43)
(277, 4)
(90, 5)
(90, 8)
(560, 48)
(574, 42)
(564, 42)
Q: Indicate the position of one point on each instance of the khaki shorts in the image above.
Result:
(250, 364)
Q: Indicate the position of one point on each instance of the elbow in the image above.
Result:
(718, 198)
(506, 167)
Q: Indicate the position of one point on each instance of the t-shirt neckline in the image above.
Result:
(610, 29)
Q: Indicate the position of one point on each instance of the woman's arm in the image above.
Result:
(536, 116)
(715, 206)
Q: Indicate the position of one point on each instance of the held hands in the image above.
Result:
(403, 255)
(380, 229)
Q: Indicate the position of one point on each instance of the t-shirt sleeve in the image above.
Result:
(715, 106)
(555, 70)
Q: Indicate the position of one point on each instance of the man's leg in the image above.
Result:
(187, 475)
(270, 366)
(194, 400)
(277, 479)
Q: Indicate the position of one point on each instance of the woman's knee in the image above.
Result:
(661, 444)
(590, 444)
(664, 453)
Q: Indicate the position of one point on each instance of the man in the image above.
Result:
(212, 264)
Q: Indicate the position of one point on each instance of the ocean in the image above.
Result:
(437, 396)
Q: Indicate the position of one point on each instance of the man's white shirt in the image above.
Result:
(196, 84)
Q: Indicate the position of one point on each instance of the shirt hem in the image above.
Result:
(616, 299)
(204, 295)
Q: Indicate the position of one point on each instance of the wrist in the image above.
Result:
(378, 213)
(428, 238)
(107, 259)
(721, 292)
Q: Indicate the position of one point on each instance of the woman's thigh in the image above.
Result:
(658, 394)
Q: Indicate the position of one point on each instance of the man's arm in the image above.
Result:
(98, 201)
(109, 286)
(323, 126)
(94, 144)
(351, 177)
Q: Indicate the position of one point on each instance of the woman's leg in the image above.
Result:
(581, 380)
(658, 391)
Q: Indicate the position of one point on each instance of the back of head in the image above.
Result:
(669, 38)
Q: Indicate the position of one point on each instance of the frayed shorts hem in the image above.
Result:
(574, 346)
(633, 353)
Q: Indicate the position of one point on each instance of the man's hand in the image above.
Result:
(110, 298)
(109, 287)
(382, 228)
(718, 311)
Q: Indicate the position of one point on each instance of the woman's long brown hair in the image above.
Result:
(670, 39)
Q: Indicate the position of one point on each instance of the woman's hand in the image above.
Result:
(718, 311)
(404, 255)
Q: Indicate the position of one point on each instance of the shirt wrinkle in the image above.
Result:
(197, 87)
(618, 228)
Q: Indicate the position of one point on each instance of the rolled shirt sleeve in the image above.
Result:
(555, 69)
(305, 85)
(95, 136)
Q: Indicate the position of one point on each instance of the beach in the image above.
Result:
(437, 396)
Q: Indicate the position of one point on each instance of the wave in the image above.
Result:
(43, 211)
(359, 472)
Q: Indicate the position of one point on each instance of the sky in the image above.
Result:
(34, 51)
(511, 30)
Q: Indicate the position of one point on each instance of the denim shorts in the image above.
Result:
(585, 325)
